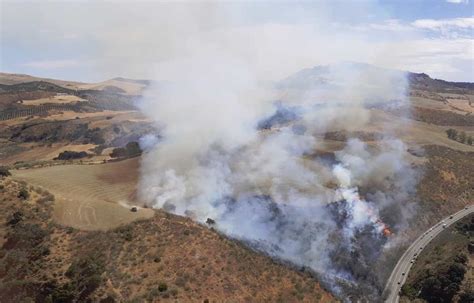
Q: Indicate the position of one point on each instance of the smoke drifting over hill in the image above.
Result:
(265, 185)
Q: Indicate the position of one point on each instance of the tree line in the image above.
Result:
(37, 110)
(459, 136)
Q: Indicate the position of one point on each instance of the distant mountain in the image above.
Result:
(116, 85)
(319, 76)
(425, 82)
(9, 79)
(332, 75)
(34, 86)
(138, 81)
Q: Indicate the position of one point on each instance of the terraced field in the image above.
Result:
(89, 197)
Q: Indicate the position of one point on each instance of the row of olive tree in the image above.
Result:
(459, 136)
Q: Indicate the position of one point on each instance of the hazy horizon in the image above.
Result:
(90, 42)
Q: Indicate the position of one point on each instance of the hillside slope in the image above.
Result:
(162, 259)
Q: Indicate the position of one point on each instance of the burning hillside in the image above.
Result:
(258, 186)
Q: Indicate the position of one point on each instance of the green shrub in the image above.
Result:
(462, 137)
(125, 232)
(85, 275)
(71, 155)
(23, 194)
(467, 297)
(452, 134)
(408, 291)
(15, 218)
(119, 152)
(132, 149)
(4, 172)
(162, 287)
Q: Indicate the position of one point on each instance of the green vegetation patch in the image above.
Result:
(439, 275)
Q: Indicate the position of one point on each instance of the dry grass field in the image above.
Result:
(35, 153)
(412, 132)
(89, 197)
(58, 99)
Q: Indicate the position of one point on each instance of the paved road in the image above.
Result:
(400, 272)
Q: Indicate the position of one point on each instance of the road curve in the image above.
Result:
(400, 272)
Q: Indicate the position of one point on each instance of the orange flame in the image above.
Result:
(385, 229)
(387, 232)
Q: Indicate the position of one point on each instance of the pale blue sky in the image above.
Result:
(92, 41)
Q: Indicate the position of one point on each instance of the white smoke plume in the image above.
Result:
(241, 150)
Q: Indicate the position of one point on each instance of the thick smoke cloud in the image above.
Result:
(246, 153)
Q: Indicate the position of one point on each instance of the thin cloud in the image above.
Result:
(458, 1)
(52, 64)
(442, 24)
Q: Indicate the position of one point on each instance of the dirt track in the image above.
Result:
(89, 197)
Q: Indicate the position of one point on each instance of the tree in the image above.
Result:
(162, 287)
(119, 152)
(452, 134)
(70, 155)
(132, 149)
(409, 291)
(462, 137)
(467, 297)
(4, 172)
(23, 194)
